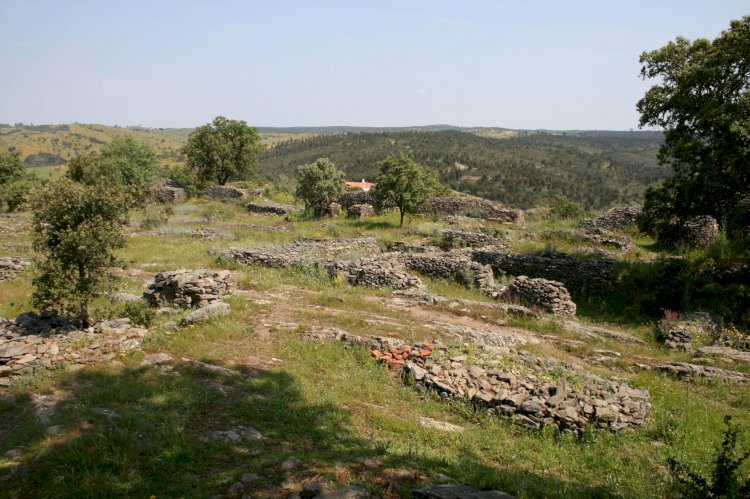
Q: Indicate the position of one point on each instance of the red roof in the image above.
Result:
(360, 185)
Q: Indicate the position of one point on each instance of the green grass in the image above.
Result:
(138, 431)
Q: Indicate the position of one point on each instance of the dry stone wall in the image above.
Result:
(360, 211)
(460, 239)
(574, 273)
(222, 192)
(475, 207)
(550, 296)
(615, 220)
(11, 266)
(271, 209)
(380, 272)
(452, 265)
(168, 191)
(189, 288)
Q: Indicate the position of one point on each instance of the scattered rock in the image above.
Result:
(11, 266)
(156, 359)
(54, 430)
(290, 463)
(235, 435)
(125, 298)
(210, 367)
(348, 492)
(249, 478)
(457, 492)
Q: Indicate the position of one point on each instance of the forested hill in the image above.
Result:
(525, 169)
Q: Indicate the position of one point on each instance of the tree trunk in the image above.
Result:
(401, 212)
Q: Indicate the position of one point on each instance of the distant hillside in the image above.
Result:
(519, 168)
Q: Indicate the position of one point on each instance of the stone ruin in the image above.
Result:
(512, 384)
(453, 265)
(43, 341)
(692, 232)
(380, 272)
(360, 211)
(169, 192)
(615, 220)
(11, 266)
(462, 239)
(272, 208)
(550, 296)
(222, 192)
(574, 273)
(189, 288)
(332, 209)
(475, 207)
(680, 332)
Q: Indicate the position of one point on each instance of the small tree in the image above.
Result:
(76, 228)
(222, 150)
(318, 185)
(15, 181)
(562, 207)
(124, 162)
(405, 184)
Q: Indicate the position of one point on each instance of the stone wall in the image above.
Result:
(693, 232)
(379, 272)
(461, 239)
(168, 191)
(350, 198)
(189, 288)
(11, 266)
(475, 207)
(616, 219)
(550, 296)
(574, 273)
(222, 192)
(271, 209)
(360, 210)
(454, 266)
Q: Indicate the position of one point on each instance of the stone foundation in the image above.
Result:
(189, 288)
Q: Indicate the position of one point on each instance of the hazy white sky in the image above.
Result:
(516, 64)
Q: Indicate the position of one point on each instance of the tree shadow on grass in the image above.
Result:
(138, 432)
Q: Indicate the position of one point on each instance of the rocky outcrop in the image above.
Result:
(189, 288)
(42, 342)
(360, 211)
(272, 209)
(222, 192)
(550, 296)
(11, 266)
(168, 191)
(461, 239)
(686, 371)
(574, 273)
(615, 220)
(476, 208)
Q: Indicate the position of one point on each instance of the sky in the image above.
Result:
(559, 65)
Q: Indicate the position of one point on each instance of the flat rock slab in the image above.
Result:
(440, 425)
(731, 353)
(458, 492)
(216, 309)
(683, 370)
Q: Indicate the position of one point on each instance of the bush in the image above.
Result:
(565, 208)
(725, 480)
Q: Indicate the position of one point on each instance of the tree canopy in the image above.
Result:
(703, 105)
(405, 184)
(222, 150)
(15, 182)
(76, 228)
(319, 184)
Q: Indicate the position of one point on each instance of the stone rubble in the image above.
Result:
(527, 391)
(550, 296)
(189, 288)
(42, 342)
(461, 239)
(11, 266)
(169, 192)
(475, 207)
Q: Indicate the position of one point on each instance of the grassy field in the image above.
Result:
(133, 430)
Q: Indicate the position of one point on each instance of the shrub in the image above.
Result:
(562, 207)
(724, 480)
